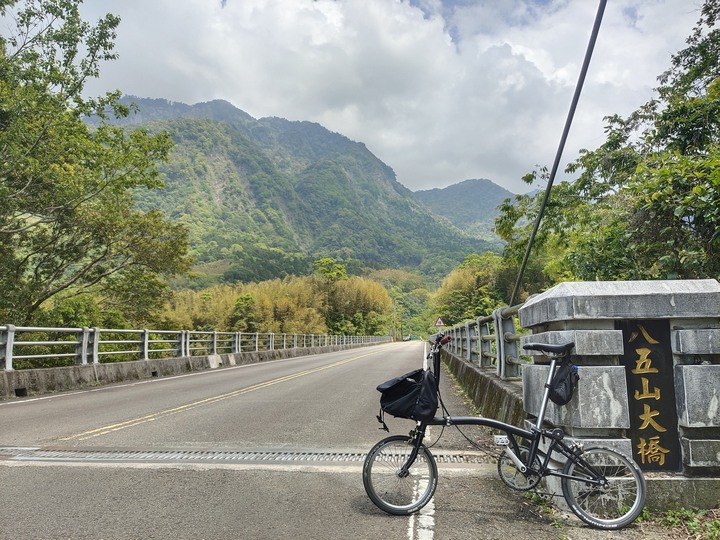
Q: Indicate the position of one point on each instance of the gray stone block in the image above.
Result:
(701, 452)
(600, 400)
(670, 492)
(587, 342)
(697, 391)
(669, 299)
(696, 341)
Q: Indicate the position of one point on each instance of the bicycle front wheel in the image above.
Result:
(391, 492)
(615, 503)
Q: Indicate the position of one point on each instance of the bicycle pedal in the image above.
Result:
(501, 440)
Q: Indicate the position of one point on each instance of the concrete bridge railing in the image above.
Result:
(40, 360)
(649, 362)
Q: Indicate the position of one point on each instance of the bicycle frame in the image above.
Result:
(603, 487)
(534, 436)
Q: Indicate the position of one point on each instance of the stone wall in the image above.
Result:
(649, 362)
(493, 396)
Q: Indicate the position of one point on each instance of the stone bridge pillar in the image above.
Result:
(649, 362)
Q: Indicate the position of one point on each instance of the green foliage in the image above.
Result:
(472, 205)
(469, 291)
(68, 226)
(692, 523)
(303, 305)
(243, 317)
(330, 269)
(646, 203)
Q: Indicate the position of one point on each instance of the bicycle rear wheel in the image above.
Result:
(617, 502)
(386, 488)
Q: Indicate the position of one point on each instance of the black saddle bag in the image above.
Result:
(562, 385)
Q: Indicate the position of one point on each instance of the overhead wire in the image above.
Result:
(561, 146)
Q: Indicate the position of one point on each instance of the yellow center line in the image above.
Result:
(104, 430)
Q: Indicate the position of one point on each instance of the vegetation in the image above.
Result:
(472, 205)
(469, 291)
(68, 226)
(691, 523)
(326, 302)
(267, 197)
(645, 203)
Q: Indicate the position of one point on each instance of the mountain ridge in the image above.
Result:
(267, 196)
(470, 205)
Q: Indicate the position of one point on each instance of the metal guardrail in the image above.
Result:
(490, 341)
(29, 347)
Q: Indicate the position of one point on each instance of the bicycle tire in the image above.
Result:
(512, 477)
(614, 505)
(389, 492)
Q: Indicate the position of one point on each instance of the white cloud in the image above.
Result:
(440, 91)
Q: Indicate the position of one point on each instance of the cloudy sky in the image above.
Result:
(440, 90)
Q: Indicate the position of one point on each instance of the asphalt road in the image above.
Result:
(177, 458)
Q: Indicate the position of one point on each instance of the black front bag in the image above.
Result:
(413, 395)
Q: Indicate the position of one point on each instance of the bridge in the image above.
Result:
(289, 418)
(269, 450)
(648, 355)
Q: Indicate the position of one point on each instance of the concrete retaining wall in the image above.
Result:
(494, 397)
(28, 382)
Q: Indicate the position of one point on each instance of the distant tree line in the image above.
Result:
(328, 301)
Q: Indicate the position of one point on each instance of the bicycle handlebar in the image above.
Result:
(440, 340)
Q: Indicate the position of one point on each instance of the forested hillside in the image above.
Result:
(264, 198)
(471, 205)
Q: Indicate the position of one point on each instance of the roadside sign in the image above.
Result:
(439, 322)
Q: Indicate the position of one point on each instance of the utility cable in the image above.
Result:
(561, 146)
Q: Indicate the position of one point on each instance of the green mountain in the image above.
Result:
(264, 198)
(470, 205)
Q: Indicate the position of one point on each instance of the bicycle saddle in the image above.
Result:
(561, 349)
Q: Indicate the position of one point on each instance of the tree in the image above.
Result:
(330, 269)
(68, 224)
(470, 290)
(646, 203)
(242, 319)
(360, 306)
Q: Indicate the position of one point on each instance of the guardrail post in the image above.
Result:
(7, 346)
(213, 343)
(185, 343)
(499, 344)
(180, 351)
(144, 346)
(271, 341)
(507, 350)
(485, 346)
(468, 342)
(511, 340)
(81, 346)
(95, 345)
